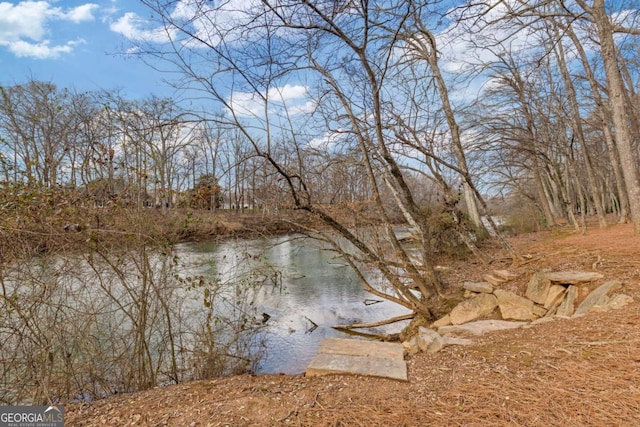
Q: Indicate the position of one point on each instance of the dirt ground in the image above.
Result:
(577, 372)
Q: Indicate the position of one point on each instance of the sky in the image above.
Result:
(75, 44)
(82, 44)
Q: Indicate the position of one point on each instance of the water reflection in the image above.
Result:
(310, 287)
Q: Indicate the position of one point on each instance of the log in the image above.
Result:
(374, 324)
(379, 337)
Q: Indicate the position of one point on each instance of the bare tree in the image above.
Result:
(39, 124)
(618, 102)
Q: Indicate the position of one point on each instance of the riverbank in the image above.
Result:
(38, 229)
(576, 372)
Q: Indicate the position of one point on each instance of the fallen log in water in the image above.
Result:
(374, 324)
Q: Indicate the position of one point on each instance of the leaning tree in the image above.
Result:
(321, 86)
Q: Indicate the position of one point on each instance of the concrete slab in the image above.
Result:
(350, 347)
(349, 356)
(325, 364)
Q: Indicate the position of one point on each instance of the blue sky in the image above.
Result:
(81, 44)
(75, 43)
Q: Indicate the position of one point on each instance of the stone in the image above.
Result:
(538, 311)
(325, 364)
(505, 274)
(554, 296)
(469, 294)
(514, 307)
(554, 299)
(538, 288)
(615, 302)
(349, 356)
(479, 287)
(573, 277)
(411, 346)
(495, 281)
(473, 308)
(351, 347)
(597, 296)
(429, 340)
(443, 321)
(567, 306)
(618, 301)
(479, 327)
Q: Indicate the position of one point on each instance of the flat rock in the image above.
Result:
(325, 364)
(479, 327)
(351, 347)
(473, 308)
(538, 311)
(554, 296)
(597, 296)
(515, 307)
(505, 274)
(348, 356)
(573, 277)
(495, 281)
(567, 306)
(538, 288)
(479, 287)
(616, 302)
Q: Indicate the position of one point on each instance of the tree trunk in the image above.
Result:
(617, 101)
(576, 124)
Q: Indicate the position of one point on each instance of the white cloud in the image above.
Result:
(133, 50)
(24, 25)
(306, 108)
(25, 19)
(251, 104)
(134, 28)
(41, 50)
(231, 19)
(108, 12)
(209, 22)
(81, 13)
(288, 92)
(466, 46)
(246, 104)
(328, 141)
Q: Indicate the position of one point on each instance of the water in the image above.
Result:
(316, 288)
(115, 321)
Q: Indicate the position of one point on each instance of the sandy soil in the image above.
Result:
(577, 372)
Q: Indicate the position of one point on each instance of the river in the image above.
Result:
(314, 287)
